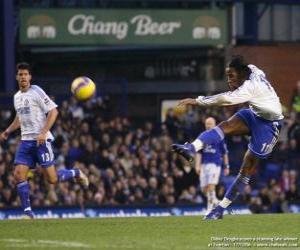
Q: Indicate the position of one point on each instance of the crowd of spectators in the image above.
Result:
(131, 164)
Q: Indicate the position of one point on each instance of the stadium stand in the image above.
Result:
(130, 163)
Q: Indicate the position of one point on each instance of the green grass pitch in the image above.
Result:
(162, 233)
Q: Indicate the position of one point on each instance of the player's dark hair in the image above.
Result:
(24, 65)
(240, 65)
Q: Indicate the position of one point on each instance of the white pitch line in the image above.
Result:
(45, 243)
(23, 243)
(64, 243)
(14, 240)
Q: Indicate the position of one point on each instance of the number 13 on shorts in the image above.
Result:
(45, 154)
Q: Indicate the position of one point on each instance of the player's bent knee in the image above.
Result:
(53, 180)
(226, 126)
(19, 175)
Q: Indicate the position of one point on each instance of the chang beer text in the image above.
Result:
(142, 25)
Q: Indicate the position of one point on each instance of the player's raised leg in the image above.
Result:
(233, 126)
(53, 176)
(46, 160)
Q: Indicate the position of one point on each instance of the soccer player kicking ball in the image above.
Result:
(262, 121)
(208, 163)
(35, 115)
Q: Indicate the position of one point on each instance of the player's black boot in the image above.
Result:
(28, 215)
(186, 150)
(215, 214)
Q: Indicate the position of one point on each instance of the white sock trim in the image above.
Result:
(225, 202)
(22, 183)
(198, 145)
(27, 209)
(220, 132)
(73, 173)
(244, 179)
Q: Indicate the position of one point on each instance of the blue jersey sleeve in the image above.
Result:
(223, 148)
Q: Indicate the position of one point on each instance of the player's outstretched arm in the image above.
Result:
(11, 128)
(51, 117)
(187, 101)
(241, 95)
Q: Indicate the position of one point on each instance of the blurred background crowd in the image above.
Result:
(129, 162)
(119, 138)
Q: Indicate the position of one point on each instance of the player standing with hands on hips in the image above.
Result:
(35, 115)
(262, 121)
(208, 163)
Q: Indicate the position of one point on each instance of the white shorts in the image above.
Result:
(209, 174)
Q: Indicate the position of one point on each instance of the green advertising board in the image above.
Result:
(123, 27)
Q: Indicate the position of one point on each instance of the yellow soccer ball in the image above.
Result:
(83, 88)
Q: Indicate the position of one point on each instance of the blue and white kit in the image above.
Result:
(211, 163)
(264, 116)
(31, 109)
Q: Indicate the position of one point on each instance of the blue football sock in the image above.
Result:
(214, 135)
(66, 174)
(23, 191)
(237, 187)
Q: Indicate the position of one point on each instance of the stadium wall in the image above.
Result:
(111, 212)
(280, 62)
